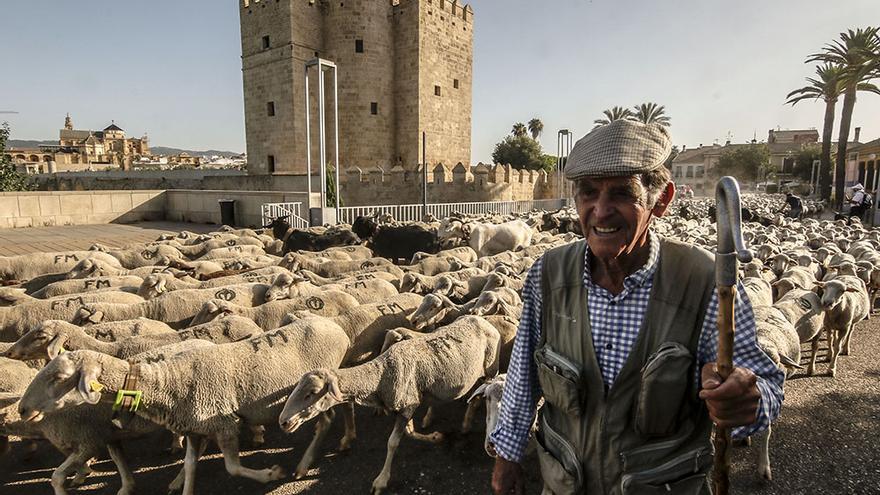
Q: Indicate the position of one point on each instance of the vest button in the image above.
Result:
(609, 346)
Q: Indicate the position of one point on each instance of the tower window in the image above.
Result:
(270, 109)
(359, 46)
(270, 163)
(455, 83)
(436, 90)
(374, 108)
(266, 42)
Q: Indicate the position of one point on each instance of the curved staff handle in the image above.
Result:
(731, 248)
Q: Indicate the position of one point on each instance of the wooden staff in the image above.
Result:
(731, 248)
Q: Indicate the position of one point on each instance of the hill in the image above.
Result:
(156, 150)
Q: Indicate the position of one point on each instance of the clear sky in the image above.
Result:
(172, 69)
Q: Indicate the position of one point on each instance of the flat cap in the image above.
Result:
(623, 147)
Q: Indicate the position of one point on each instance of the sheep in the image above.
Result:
(497, 279)
(289, 286)
(464, 286)
(488, 240)
(803, 309)
(423, 284)
(845, 301)
(503, 301)
(758, 290)
(435, 265)
(14, 379)
(295, 262)
(141, 257)
(756, 269)
(232, 252)
(158, 283)
(491, 390)
(51, 338)
(77, 286)
(437, 310)
(93, 268)
(194, 251)
(440, 368)
(247, 294)
(16, 320)
(795, 277)
(246, 380)
(82, 431)
(464, 253)
(28, 266)
(270, 315)
(349, 278)
(342, 253)
(778, 339)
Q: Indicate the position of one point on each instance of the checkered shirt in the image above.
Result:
(614, 323)
(620, 148)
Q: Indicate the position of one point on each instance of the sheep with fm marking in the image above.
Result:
(28, 266)
(246, 379)
(270, 315)
(461, 280)
(290, 286)
(295, 262)
(442, 367)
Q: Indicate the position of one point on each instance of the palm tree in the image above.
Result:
(519, 129)
(615, 113)
(651, 113)
(827, 86)
(856, 53)
(536, 127)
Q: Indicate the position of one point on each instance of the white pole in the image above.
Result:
(336, 135)
(308, 139)
(322, 137)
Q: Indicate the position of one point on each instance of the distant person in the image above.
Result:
(859, 202)
(796, 206)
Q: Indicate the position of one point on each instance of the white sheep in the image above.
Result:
(423, 284)
(845, 300)
(270, 315)
(245, 379)
(290, 286)
(803, 309)
(76, 286)
(330, 268)
(28, 266)
(463, 253)
(439, 368)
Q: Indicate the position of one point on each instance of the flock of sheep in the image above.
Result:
(203, 335)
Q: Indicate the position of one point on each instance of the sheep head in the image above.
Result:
(10, 296)
(154, 286)
(69, 379)
(316, 392)
(291, 261)
(412, 282)
(430, 311)
(491, 390)
(88, 315)
(833, 291)
(46, 341)
(283, 285)
(211, 310)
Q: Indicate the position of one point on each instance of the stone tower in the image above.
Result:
(68, 123)
(405, 66)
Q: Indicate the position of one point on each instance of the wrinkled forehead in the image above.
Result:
(600, 183)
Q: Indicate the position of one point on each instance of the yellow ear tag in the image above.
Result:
(95, 386)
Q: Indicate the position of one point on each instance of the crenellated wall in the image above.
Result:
(376, 186)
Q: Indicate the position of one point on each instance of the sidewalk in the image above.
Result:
(79, 237)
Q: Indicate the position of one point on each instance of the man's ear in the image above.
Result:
(664, 200)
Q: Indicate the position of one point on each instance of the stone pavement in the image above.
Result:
(80, 237)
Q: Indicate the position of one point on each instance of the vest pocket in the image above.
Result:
(682, 475)
(665, 378)
(560, 467)
(560, 381)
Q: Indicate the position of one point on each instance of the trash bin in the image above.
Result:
(227, 212)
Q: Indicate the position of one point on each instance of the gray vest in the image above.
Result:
(649, 433)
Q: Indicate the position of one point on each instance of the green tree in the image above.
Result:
(536, 127)
(750, 163)
(331, 187)
(651, 113)
(521, 152)
(827, 86)
(612, 114)
(10, 178)
(857, 53)
(672, 154)
(519, 130)
(803, 165)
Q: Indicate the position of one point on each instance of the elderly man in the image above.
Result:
(618, 335)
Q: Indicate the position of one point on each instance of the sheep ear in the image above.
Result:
(88, 382)
(96, 317)
(333, 388)
(160, 286)
(787, 361)
(56, 346)
(477, 393)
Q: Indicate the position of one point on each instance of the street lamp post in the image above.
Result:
(563, 148)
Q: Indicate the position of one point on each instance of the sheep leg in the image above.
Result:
(321, 427)
(812, 369)
(764, 456)
(72, 463)
(411, 432)
(177, 484)
(193, 452)
(472, 408)
(228, 444)
(833, 351)
(400, 425)
(176, 443)
(125, 473)
(350, 427)
(82, 473)
(844, 343)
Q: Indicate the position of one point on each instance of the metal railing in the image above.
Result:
(271, 211)
(414, 212)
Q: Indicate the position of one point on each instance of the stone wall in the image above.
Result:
(40, 209)
(203, 206)
(483, 183)
(172, 179)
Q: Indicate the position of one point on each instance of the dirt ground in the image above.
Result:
(825, 442)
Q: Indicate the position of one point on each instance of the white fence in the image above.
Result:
(414, 212)
(271, 211)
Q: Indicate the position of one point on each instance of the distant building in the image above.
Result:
(405, 66)
(79, 150)
(693, 166)
(863, 164)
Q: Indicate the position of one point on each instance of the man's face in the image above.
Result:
(613, 214)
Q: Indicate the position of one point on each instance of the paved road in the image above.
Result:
(76, 237)
(826, 442)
